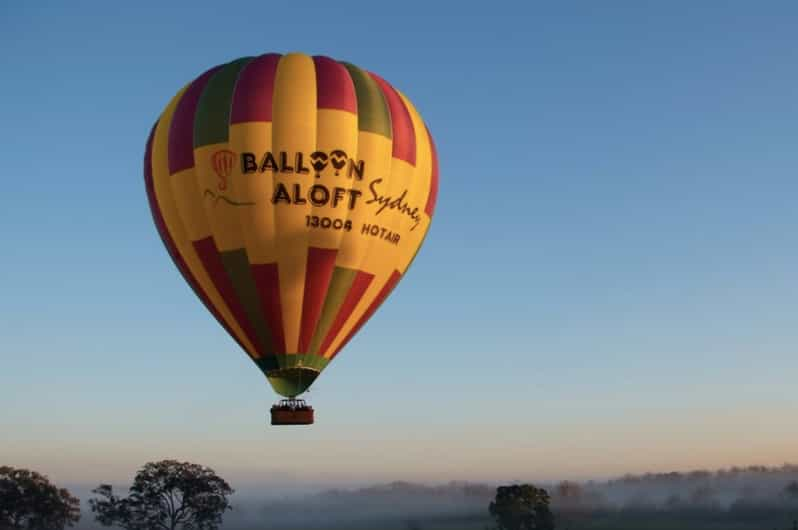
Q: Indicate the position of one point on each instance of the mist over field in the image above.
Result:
(740, 498)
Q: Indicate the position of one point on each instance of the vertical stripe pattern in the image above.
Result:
(292, 193)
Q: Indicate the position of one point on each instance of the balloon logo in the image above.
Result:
(338, 160)
(223, 162)
(339, 178)
(319, 161)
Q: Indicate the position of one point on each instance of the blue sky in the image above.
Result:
(609, 284)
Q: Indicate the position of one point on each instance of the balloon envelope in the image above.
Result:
(292, 193)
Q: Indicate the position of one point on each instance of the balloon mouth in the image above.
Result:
(291, 382)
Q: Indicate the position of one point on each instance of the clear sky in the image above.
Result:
(610, 283)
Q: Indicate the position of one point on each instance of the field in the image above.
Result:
(662, 521)
(665, 522)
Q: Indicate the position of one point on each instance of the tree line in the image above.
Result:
(165, 495)
(172, 495)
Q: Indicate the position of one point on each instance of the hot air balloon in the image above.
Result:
(292, 193)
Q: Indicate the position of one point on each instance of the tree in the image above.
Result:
(522, 507)
(703, 497)
(791, 490)
(29, 501)
(166, 495)
(570, 493)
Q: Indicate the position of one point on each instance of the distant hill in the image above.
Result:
(734, 492)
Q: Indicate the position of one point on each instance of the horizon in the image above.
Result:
(298, 489)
